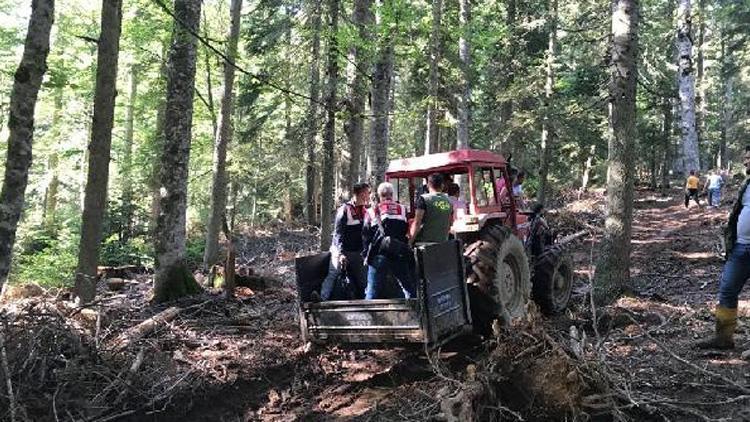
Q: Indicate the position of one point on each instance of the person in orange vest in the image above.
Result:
(691, 189)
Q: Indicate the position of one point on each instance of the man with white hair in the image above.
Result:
(386, 246)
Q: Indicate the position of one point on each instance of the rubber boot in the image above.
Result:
(726, 322)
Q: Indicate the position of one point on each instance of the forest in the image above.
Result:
(167, 162)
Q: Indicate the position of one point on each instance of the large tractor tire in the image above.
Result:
(553, 280)
(499, 280)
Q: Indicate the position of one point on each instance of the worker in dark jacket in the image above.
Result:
(386, 246)
(736, 270)
(346, 243)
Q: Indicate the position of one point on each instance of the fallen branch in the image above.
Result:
(137, 332)
(684, 361)
(6, 371)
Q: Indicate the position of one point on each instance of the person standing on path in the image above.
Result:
(713, 187)
(691, 189)
(346, 244)
(736, 270)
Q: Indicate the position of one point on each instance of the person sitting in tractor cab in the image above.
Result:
(346, 243)
(433, 215)
(386, 246)
(454, 195)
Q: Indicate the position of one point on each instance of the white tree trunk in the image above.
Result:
(686, 85)
(431, 136)
(95, 201)
(311, 120)
(548, 132)
(26, 83)
(223, 138)
(464, 53)
(126, 167)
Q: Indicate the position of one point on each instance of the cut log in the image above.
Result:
(139, 331)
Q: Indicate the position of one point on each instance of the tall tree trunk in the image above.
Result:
(161, 110)
(506, 106)
(613, 265)
(381, 88)
(464, 54)
(172, 278)
(357, 82)
(548, 132)
(312, 113)
(587, 169)
(727, 120)
(431, 137)
(329, 132)
(686, 84)
(126, 170)
(97, 179)
(50, 201)
(700, 100)
(726, 103)
(26, 83)
(209, 100)
(223, 138)
(667, 141)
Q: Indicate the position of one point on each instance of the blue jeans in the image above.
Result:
(354, 269)
(714, 196)
(378, 270)
(736, 272)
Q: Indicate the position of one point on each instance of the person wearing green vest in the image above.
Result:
(736, 270)
(433, 214)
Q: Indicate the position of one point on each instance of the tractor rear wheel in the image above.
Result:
(553, 280)
(499, 278)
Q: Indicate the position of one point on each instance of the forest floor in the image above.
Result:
(242, 359)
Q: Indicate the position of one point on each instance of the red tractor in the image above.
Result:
(510, 251)
(500, 257)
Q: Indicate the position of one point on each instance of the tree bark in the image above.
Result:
(95, 201)
(312, 113)
(329, 132)
(587, 169)
(464, 54)
(613, 265)
(26, 83)
(126, 169)
(173, 279)
(358, 64)
(548, 132)
(431, 137)
(667, 140)
(381, 88)
(158, 140)
(700, 85)
(503, 128)
(686, 85)
(726, 103)
(223, 138)
(50, 201)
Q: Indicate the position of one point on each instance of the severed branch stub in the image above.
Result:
(137, 332)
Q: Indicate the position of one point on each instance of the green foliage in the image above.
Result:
(47, 257)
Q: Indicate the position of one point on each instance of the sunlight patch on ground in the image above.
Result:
(653, 198)
(695, 255)
(640, 304)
